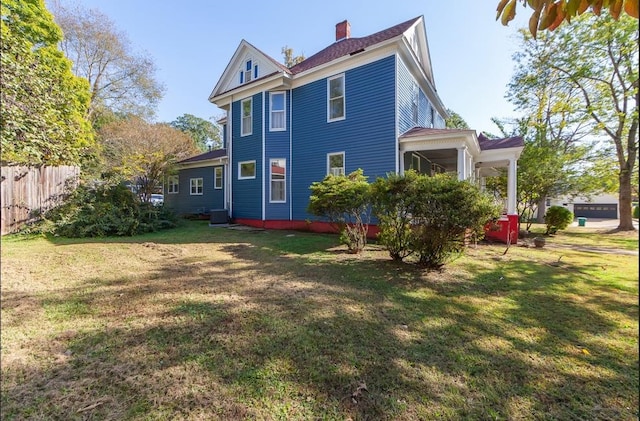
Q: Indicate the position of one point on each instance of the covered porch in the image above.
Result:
(471, 157)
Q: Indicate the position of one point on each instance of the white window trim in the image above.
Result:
(176, 184)
(191, 185)
(344, 162)
(240, 177)
(250, 99)
(216, 178)
(284, 112)
(344, 98)
(284, 182)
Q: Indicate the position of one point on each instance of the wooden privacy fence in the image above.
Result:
(27, 190)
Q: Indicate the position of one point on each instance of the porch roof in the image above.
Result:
(213, 154)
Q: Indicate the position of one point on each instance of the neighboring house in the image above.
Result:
(597, 206)
(366, 102)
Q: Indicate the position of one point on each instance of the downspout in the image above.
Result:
(230, 153)
(263, 160)
(289, 192)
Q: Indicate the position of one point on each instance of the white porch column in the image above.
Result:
(401, 155)
(512, 179)
(462, 163)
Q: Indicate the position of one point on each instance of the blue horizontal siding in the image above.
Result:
(277, 147)
(185, 203)
(247, 194)
(366, 135)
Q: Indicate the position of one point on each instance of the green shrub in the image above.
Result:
(344, 201)
(104, 210)
(557, 218)
(390, 197)
(429, 216)
(636, 212)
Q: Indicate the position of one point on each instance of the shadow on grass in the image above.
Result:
(289, 331)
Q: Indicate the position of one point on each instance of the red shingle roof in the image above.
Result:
(216, 153)
(507, 142)
(426, 131)
(350, 46)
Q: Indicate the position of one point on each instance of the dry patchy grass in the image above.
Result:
(201, 324)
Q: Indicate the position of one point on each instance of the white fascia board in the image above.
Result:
(342, 64)
(467, 138)
(205, 163)
(503, 154)
(277, 81)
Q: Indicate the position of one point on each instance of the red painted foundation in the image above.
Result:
(505, 229)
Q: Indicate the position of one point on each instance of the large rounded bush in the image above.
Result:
(557, 218)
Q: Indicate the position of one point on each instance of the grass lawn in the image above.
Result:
(205, 323)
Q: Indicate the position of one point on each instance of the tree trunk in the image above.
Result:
(542, 209)
(624, 202)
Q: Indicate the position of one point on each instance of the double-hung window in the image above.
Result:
(335, 163)
(246, 170)
(172, 184)
(247, 117)
(277, 120)
(217, 178)
(335, 98)
(196, 186)
(278, 181)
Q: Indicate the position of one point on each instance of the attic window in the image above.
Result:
(249, 72)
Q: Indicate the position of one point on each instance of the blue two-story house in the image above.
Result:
(367, 102)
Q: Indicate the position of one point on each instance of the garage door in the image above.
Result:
(600, 210)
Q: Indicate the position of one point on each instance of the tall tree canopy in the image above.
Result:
(121, 80)
(549, 14)
(203, 132)
(455, 121)
(43, 104)
(144, 153)
(594, 65)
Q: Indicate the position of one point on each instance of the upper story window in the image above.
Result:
(247, 117)
(277, 120)
(217, 178)
(172, 184)
(335, 163)
(249, 72)
(415, 98)
(335, 98)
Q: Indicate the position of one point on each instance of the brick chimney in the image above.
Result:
(343, 30)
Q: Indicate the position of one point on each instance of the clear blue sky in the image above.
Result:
(191, 42)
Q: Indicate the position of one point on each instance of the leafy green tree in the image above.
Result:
(455, 121)
(550, 14)
(43, 104)
(121, 81)
(345, 201)
(144, 153)
(203, 132)
(605, 75)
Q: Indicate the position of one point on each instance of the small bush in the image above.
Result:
(636, 212)
(344, 201)
(429, 216)
(557, 218)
